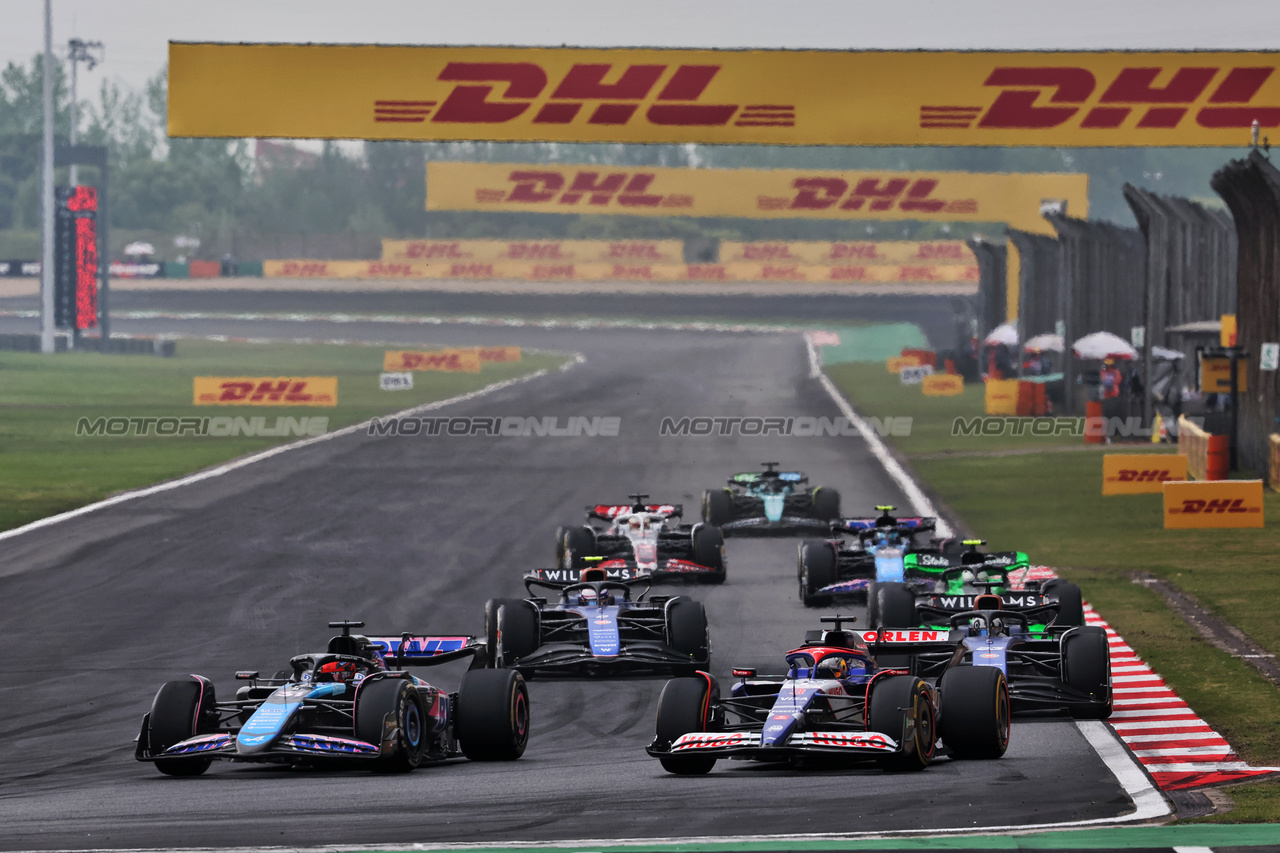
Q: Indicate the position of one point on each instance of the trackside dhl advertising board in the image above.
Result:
(445, 360)
(1217, 503)
(771, 97)
(942, 385)
(924, 253)
(466, 251)
(880, 194)
(265, 391)
(1140, 473)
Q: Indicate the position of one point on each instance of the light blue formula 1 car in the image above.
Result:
(830, 569)
(770, 503)
(343, 707)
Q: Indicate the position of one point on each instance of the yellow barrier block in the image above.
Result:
(1216, 503)
(895, 363)
(1140, 473)
(1002, 397)
(942, 385)
(444, 361)
(265, 391)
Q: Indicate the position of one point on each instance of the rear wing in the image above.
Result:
(746, 478)
(568, 576)
(427, 650)
(939, 563)
(608, 512)
(912, 524)
(908, 641)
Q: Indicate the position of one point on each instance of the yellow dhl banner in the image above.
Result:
(1013, 198)
(895, 363)
(942, 385)
(772, 97)
(1001, 397)
(469, 251)
(1219, 503)
(1215, 374)
(496, 354)
(265, 391)
(444, 361)
(570, 271)
(1140, 473)
(940, 252)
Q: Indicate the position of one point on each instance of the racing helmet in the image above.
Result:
(635, 523)
(338, 670)
(834, 666)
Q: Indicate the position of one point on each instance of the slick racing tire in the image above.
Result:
(578, 542)
(561, 547)
(684, 706)
(817, 563)
(687, 631)
(717, 506)
(891, 605)
(374, 701)
(1070, 602)
(899, 701)
(519, 629)
(1086, 666)
(708, 550)
(492, 717)
(176, 714)
(826, 503)
(975, 711)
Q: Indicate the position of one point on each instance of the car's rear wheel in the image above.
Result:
(900, 707)
(717, 506)
(708, 550)
(826, 503)
(975, 711)
(683, 707)
(1086, 666)
(380, 697)
(579, 543)
(891, 605)
(817, 563)
(492, 722)
(177, 713)
(1070, 601)
(687, 631)
(519, 634)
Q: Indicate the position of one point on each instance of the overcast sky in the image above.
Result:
(136, 32)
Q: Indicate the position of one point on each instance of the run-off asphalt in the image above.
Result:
(414, 533)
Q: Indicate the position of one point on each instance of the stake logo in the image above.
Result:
(489, 93)
(265, 391)
(1039, 98)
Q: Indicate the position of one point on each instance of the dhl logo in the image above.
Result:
(490, 93)
(1038, 98)
(533, 186)
(1150, 475)
(447, 361)
(434, 251)
(1220, 505)
(634, 252)
(873, 194)
(265, 391)
(303, 270)
(472, 271)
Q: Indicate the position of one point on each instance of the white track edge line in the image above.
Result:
(226, 468)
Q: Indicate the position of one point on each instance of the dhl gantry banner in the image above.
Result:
(1013, 198)
(586, 251)
(773, 97)
(928, 253)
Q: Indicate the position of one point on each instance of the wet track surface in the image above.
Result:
(244, 570)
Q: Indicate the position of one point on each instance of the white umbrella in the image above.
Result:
(1101, 345)
(1005, 334)
(139, 248)
(1166, 354)
(1044, 343)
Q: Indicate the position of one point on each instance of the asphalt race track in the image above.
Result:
(415, 533)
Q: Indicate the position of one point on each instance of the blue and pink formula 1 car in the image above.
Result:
(830, 570)
(344, 707)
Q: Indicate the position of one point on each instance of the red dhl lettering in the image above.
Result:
(414, 360)
(939, 251)
(791, 273)
(634, 251)
(624, 271)
(296, 269)
(553, 271)
(534, 251)
(849, 274)
(1131, 475)
(266, 390)
(766, 252)
(1195, 507)
(1038, 98)
(471, 270)
(916, 273)
(499, 92)
(427, 251)
(874, 194)
(534, 186)
(381, 269)
(707, 272)
(854, 251)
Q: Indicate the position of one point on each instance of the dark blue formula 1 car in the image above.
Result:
(828, 569)
(836, 701)
(770, 503)
(343, 707)
(597, 626)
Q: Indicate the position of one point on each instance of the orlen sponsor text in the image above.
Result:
(265, 391)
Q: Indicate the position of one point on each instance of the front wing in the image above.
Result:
(788, 525)
(288, 748)
(635, 656)
(746, 744)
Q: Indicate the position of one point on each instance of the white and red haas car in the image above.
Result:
(627, 540)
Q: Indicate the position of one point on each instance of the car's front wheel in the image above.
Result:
(492, 722)
(176, 714)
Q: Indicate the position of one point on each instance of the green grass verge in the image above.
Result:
(1044, 497)
(46, 469)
